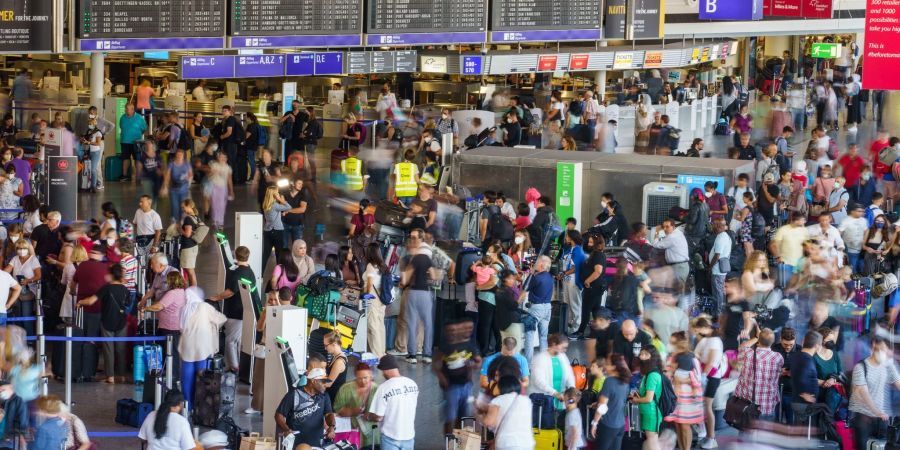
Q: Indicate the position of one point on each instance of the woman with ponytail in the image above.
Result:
(166, 428)
(361, 219)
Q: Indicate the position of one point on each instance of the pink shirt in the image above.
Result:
(170, 316)
(483, 274)
(143, 97)
(282, 279)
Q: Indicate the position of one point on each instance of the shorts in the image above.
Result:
(188, 257)
(129, 151)
(457, 401)
(712, 385)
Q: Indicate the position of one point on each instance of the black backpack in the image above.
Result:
(499, 227)
(576, 108)
(758, 228)
(184, 139)
(527, 118)
(667, 400)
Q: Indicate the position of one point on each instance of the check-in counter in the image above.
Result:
(514, 170)
(696, 120)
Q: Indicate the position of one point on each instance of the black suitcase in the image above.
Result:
(558, 313)
(84, 358)
(208, 396)
(151, 378)
(446, 310)
(389, 213)
(464, 260)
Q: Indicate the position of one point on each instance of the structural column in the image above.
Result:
(97, 79)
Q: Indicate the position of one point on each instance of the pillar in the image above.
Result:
(97, 81)
(600, 80)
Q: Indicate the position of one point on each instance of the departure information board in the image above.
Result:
(545, 20)
(26, 26)
(151, 24)
(296, 23)
(406, 22)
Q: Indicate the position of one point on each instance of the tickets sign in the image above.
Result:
(623, 60)
(652, 59)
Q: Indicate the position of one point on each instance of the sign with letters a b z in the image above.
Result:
(731, 9)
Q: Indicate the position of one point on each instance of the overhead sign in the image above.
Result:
(105, 19)
(882, 48)
(545, 20)
(259, 66)
(647, 19)
(825, 50)
(547, 63)
(381, 62)
(519, 63)
(434, 64)
(294, 23)
(695, 56)
(785, 8)
(624, 60)
(652, 59)
(615, 19)
(699, 181)
(329, 63)
(704, 56)
(819, 9)
(196, 67)
(731, 9)
(578, 61)
(26, 26)
(141, 44)
(472, 65)
(301, 64)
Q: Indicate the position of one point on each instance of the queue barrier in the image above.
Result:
(22, 319)
(112, 434)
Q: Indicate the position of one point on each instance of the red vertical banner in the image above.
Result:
(881, 56)
(767, 7)
(787, 8)
(817, 9)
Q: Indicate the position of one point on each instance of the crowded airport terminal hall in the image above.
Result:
(449, 224)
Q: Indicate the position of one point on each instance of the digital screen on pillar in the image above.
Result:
(26, 25)
(426, 16)
(150, 18)
(517, 15)
(287, 17)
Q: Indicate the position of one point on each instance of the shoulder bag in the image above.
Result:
(740, 412)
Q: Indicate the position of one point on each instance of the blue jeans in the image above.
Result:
(189, 369)
(291, 234)
(95, 168)
(785, 273)
(856, 262)
(176, 196)
(457, 405)
(390, 331)
(542, 313)
(251, 159)
(391, 444)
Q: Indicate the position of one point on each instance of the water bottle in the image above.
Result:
(139, 367)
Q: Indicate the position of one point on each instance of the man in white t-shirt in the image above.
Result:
(720, 258)
(199, 92)
(147, 224)
(394, 406)
(9, 293)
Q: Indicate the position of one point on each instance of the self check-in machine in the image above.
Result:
(253, 306)
(288, 324)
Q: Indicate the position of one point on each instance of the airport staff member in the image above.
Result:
(352, 169)
(406, 178)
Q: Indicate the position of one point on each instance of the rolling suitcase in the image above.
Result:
(214, 394)
(464, 260)
(633, 439)
(112, 168)
(559, 312)
(390, 214)
(548, 439)
(84, 358)
(543, 415)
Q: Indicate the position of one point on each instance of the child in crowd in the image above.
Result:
(597, 375)
(484, 270)
(574, 424)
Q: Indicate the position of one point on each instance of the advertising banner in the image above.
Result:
(568, 190)
(578, 61)
(882, 48)
(624, 60)
(647, 19)
(27, 26)
(731, 9)
(652, 59)
(614, 25)
(817, 9)
(786, 8)
(547, 63)
(62, 192)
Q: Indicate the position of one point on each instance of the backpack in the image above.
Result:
(580, 371)
(386, 295)
(499, 227)
(667, 400)
(322, 282)
(576, 108)
(263, 134)
(721, 128)
(773, 169)
(527, 118)
(362, 133)
(286, 129)
(126, 229)
(674, 138)
(184, 139)
(758, 228)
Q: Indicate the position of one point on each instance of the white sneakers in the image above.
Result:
(707, 443)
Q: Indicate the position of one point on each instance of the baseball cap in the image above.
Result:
(318, 374)
(769, 178)
(387, 362)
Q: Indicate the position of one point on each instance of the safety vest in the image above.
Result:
(405, 185)
(352, 170)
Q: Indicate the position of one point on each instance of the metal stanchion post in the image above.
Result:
(169, 360)
(42, 350)
(69, 366)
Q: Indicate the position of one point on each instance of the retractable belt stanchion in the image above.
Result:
(69, 366)
(42, 351)
(169, 360)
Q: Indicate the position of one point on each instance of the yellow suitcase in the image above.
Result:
(548, 439)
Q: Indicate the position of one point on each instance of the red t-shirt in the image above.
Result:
(89, 277)
(367, 219)
(879, 168)
(852, 168)
(522, 222)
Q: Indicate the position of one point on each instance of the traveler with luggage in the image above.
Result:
(648, 395)
(593, 280)
(760, 371)
(199, 324)
(415, 279)
(177, 183)
(166, 428)
(372, 278)
(298, 199)
(88, 279)
(608, 421)
(540, 291)
(168, 310)
(353, 399)
(870, 397)
(305, 264)
(551, 371)
(233, 306)
(506, 415)
(306, 413)
(131, 128)
(509, 302)
(273, 207)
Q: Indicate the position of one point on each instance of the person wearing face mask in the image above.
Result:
(864, 189)
(446, 124)
(876, 244)
(11, 190)
(828, 368)
(870, 397)
(8, 250)
(837, 201)
(718, 204)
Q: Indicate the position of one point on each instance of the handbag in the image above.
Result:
(816, 209)
(740, 413)
(724, 265)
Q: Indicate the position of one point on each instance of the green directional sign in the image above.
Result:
(825, 50)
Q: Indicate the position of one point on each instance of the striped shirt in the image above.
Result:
(129, 266)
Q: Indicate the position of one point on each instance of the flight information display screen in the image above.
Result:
(126, 19)
(426, 16)
(515, 15)
(295, 17)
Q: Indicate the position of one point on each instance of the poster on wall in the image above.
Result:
(615, 19)
(652, 59)
(647, 19)
(882, 48)
(624, 60)
(26, 26)
(568, 189)
(817, 9)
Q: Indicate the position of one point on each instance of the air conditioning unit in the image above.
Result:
(659, 198)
